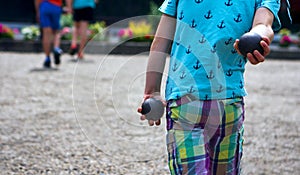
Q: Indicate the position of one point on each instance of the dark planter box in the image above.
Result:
(291, 52)
(92, 47)
(126, 48)
(20, 46)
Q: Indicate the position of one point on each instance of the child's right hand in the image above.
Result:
(143, 117)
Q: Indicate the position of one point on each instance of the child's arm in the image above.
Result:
(157, 57)
(69, 6)
(37, 10)
(158, 52)
(262, 25)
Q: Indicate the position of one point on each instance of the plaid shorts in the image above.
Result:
(205, 137)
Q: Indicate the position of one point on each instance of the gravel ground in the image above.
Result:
(81, 118)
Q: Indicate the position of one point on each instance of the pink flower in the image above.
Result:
(16, 31)
(130, 33)
(125, 33)
(121, 32)
(89, 32)
(1, 28)
(65, 30)
(285, 39)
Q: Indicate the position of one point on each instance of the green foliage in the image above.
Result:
(66, 33)
(66, 20)
(154, 14)
(284, 31)
(140, 28)
(30, 32)
(97, 30)
(154, 9)
(137, 31)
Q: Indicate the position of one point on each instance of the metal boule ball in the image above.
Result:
(250, 42)
(153, 109)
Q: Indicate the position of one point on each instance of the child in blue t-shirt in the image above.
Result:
(83, 14)
(205, 85)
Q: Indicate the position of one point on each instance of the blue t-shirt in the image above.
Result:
(203, 60)
(78, 4)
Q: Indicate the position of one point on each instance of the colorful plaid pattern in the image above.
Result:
(205, 137)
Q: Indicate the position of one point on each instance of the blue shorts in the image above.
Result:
(50, 15)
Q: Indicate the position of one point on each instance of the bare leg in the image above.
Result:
(57, 39)
(47, 40)
(83, 37)
(75, 34)
(75, 29)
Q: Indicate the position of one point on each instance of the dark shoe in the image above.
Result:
(73, 51)
(47, 64)
(57, 53)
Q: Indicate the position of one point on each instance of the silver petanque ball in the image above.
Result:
(153, 109)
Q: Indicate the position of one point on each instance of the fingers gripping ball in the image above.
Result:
(153, 109)
(250, 42)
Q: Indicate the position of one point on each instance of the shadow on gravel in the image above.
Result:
(74, 60)
(42, 69)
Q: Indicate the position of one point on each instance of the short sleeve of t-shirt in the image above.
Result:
(273, 6)
(169, 7)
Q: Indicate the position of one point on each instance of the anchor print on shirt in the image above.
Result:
(175, 67)
(197, 65)
(191, 90)
(181, 16)
(193, 24)
(206, 97)
(170, 91)
(213, 49)
(202, 40)
(233, 51)
(240, 64)
(233, 95)
(221, 88)
(210, 75)
(172, 54)
(238, 18)
(221, 25)
(241, 85)
(229, 41)
(188, 50)
(208, 15)
(199, 1)
(229, 73)
(177, 42)
(182, 75)
(228, 3)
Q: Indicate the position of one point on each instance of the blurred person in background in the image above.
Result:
(48, 14)
(83, 14)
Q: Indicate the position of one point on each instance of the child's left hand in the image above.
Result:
(256, 57)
